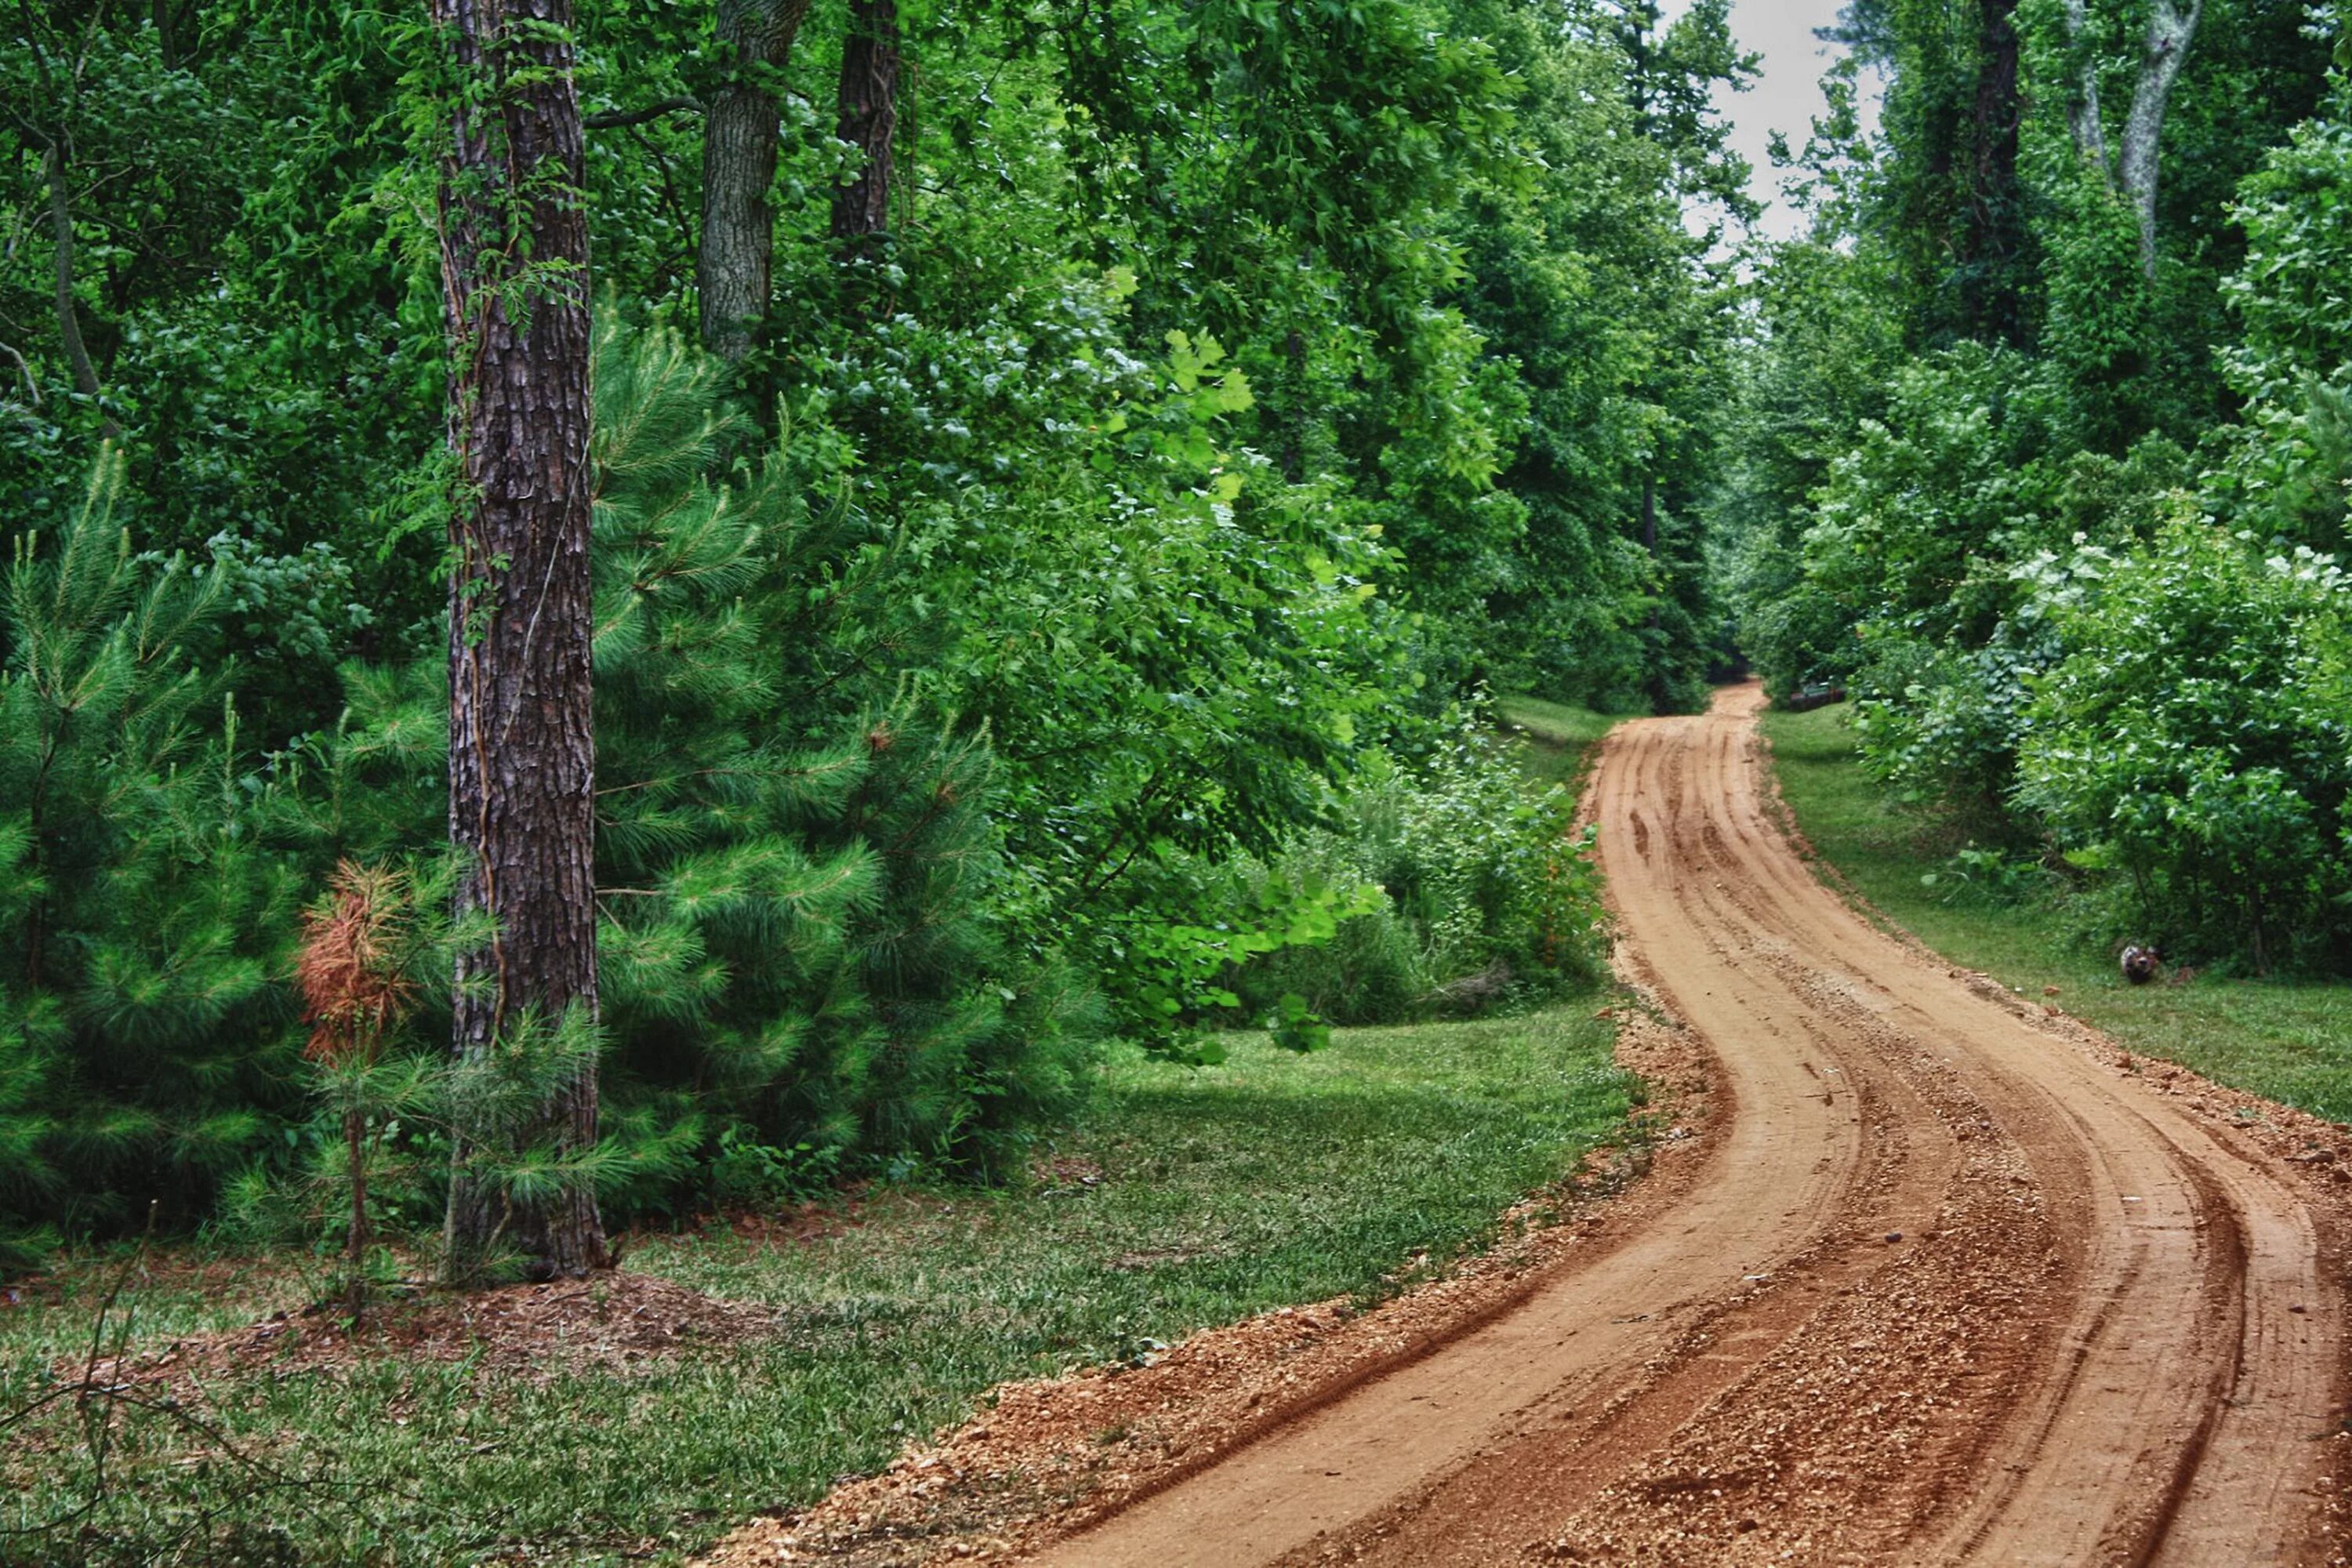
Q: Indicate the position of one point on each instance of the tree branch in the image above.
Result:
(32, 387)
(615, 119)
(2083, 102)
(85, 375)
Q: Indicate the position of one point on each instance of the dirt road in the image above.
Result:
(1946, 1284)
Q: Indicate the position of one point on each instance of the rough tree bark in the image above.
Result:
(869, 119)
(514, 261)
(739, 166)
(2172, 28)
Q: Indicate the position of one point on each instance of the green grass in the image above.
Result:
(1559, 738)
(1272, 1180)
(2287, 1040)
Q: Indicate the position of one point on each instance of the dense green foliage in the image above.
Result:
(2070, 540)
(2193, 736)
(140, 1026)
(1066, 618)
(1489, 893)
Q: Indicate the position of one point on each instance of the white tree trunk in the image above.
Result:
(2171, 29)
(2083, 105)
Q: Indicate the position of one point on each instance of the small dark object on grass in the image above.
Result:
(1805, 698)
(2142, 965)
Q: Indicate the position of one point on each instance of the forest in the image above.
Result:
(2042, 454)
(619, 610)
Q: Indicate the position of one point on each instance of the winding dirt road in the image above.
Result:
(1943, 1283)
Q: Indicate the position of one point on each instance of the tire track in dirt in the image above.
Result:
(1948, 1287)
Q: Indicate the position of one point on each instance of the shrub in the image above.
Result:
(2193, 739)
(799, 879)
(1490, 894)
(146, 894)
(1937, 521)
(1974, 875)
(1941, 724)
(1914, 520)
(2288, 468)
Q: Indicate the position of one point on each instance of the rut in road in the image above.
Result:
(1947, 1288)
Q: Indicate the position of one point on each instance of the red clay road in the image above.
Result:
(1947, 1287)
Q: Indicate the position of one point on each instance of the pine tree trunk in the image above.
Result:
(514, 252)
(739, 165)
(869, 119)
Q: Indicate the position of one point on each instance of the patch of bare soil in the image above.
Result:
(614, 1323)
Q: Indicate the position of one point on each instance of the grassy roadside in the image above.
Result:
(2287, 1040)
(1560, 739)
(1181, 1199)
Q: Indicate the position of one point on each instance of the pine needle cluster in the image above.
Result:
(349, 965)
(796, 876)
(144, 894)
(796, 863)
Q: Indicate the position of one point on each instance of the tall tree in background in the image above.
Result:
(1953, 203)
(1991, 259)
(1672, 69)
(869, 121)
(739, 165)
(514, 264)
(2172, 28)
(60, 56)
